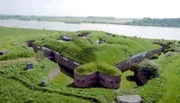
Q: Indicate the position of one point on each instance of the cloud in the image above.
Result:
(116, 8)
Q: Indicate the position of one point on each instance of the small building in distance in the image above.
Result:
(66, 38)
(29, 66)
(3, 52)
(129, 99)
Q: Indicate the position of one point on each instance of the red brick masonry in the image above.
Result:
(97, 78)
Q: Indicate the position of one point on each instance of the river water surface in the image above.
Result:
(139, 31)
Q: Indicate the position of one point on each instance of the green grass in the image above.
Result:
(86, 68)
(13, 40)
(61, 80)
(100, 67)
(164, 89)
(16, 82)
(114, 50)
(27, 81)
(12, 90)
(170, 71)
(126, 80)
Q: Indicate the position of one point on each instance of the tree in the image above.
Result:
(149, 69)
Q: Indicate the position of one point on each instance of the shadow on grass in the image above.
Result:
(130, 78)
(67, 71)
(71, 85)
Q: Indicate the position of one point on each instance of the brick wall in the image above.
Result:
(85, 81)
(71, 64)
(97, 78)
(109, 81)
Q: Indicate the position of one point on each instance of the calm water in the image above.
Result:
(140, 31)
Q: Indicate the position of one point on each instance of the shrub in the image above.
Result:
(43, 83)
(134, 67)
(155, 56)
(149, 69)
(172, 50)
(167, 50)
(169, 43)
(169, 54)
(40, 56)
(178, 49)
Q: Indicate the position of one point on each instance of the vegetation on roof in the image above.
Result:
(93, 67)
(113, 51)
(86, 68)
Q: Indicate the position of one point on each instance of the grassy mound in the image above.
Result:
(100, 67)
(86, 50)
(87, 68)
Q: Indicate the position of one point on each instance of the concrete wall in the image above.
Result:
(71, 64)
(66, 61)
(36, 48)
(125, 65)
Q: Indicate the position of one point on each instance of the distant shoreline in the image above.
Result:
(95, 22)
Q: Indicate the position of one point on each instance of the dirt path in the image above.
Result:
(52, 74)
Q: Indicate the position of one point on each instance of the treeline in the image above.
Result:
(52, 17)
(100, 17)
(169, 22)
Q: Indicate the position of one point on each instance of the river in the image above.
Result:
(139, 31)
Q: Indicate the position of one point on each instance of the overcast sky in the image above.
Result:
(115, 8)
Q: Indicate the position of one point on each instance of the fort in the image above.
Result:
(97, 78)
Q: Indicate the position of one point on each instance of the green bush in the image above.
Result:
(149, 69)
(155, 56)
(43, 83)
(40, 56)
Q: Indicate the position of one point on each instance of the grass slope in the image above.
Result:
(17, 82)
(12, 39)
